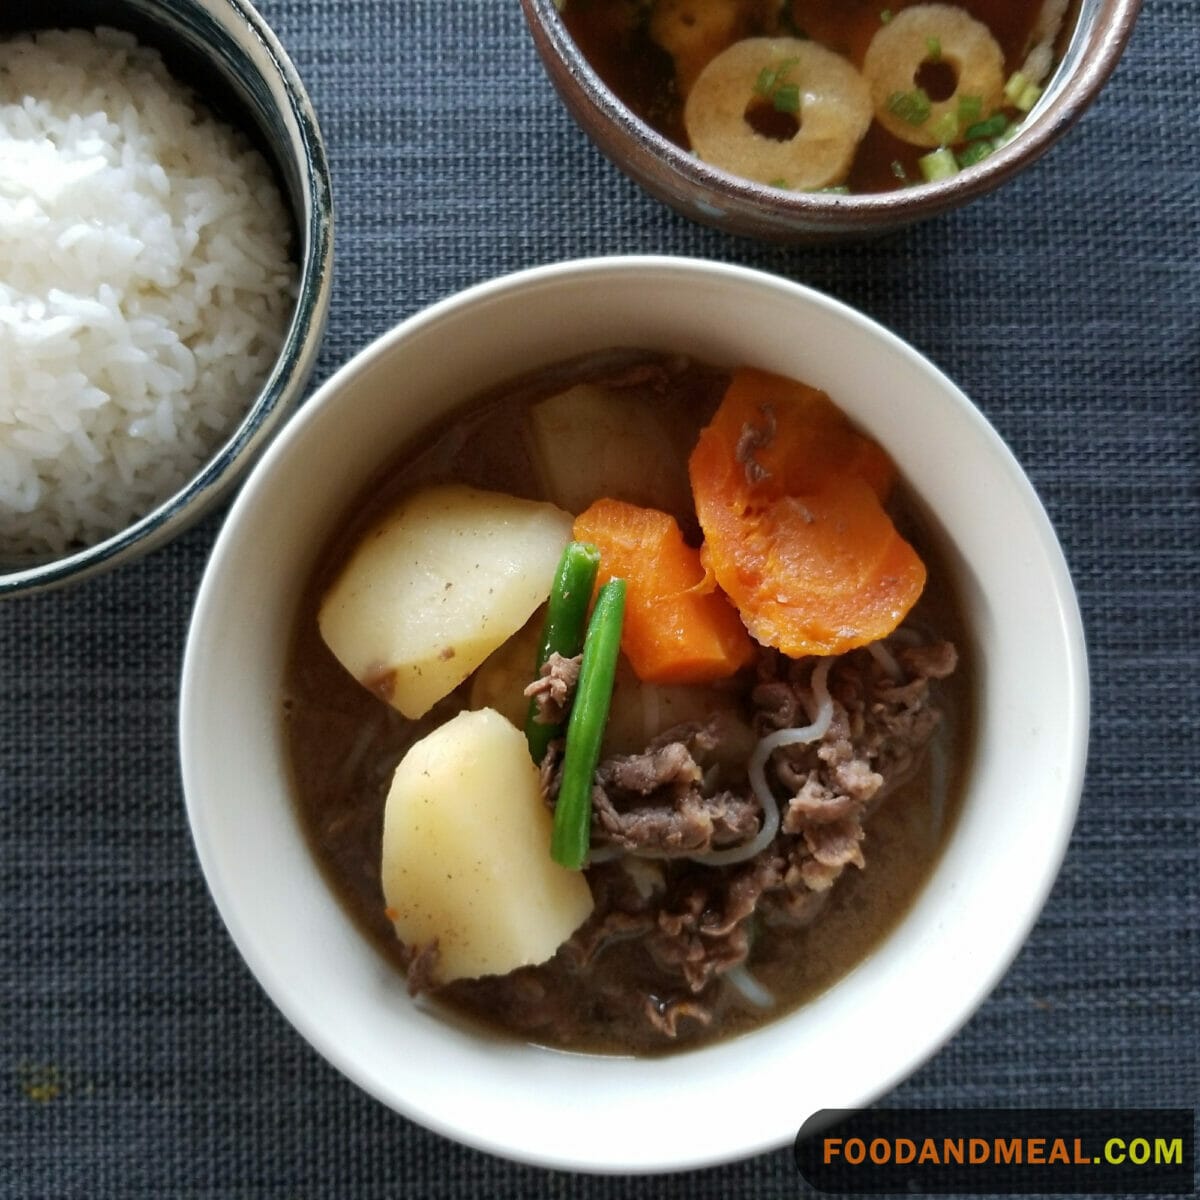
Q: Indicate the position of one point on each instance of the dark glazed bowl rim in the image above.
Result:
(309, 195)
(740, 206)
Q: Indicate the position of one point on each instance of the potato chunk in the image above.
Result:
(466, 852)
(641, 711)
(436, 586)
(501, 681)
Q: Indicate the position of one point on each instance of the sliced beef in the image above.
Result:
(878, 732)
(554, 688)
(678, 800)
(626, 905)
(777, 706)
(693, 824)
(681, 946)
(667, 766)
(665, 1015)
(837, 844)
(655, 802)
(814, 801)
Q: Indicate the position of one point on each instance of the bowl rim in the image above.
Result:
(284, 995)
(290, 371)
(1108, 33)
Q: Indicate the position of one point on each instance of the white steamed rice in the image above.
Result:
(145, 286)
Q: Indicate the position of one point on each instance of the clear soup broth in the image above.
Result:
(961, 85)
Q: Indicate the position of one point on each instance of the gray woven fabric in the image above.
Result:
(139, 1057)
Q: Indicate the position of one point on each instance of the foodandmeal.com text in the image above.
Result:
(1014, 1151)
(1036, 1151)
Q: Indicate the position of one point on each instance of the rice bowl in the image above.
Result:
(166, 260)
(145, 285)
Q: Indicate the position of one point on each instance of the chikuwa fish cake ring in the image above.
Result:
(779, 111)
(946, 40)
(692, 32)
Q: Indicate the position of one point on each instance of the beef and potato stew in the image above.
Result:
(632, 707)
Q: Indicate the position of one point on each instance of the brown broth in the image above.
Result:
(613, 35)
(344, 744)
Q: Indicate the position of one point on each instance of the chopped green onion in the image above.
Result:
(771, 78)
(899, 171)
(933, 49)
(563, 630)
(912, 107)
(945, 128)
(975, 152)
(786, 98)
(785, 67)
(941, 164)
(1005, 136)
(772, 84)
(970, 109)
(781, 184)
(886, 15)
(1028, 98)
(996, 124)
(1017, 83)
(571, 837)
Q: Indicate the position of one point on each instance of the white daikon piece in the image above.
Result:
(590, 442)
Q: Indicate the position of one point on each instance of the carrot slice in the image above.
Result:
(789, 496)
(791, 437)
(678, 627)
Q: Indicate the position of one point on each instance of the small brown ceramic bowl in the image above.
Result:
(714, 197)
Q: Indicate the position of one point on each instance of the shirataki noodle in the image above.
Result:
(822, 715)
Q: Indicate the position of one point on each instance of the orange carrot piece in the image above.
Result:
(792, 436)
(678, 627)
(789, 494)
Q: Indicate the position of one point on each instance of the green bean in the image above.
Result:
(589, 714)
(563, 631)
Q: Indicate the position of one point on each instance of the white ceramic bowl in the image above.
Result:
(866, 1033)
(225, 51)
